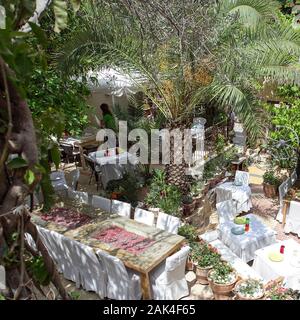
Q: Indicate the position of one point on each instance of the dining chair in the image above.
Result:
(241, 178)
(293, 219)
(95, 171)
(294, 177)
(226, 210)
(282, 191)
(75, 175)
(167, 222)
(69, 153)
(101, 203)
(90, 273)
(121, 208)
(82, 197)
(122, 283)
(59, 182)
(144, 216)
(168, 279)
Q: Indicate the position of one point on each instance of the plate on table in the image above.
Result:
(275, 256)
(239, 220)
(238, 230)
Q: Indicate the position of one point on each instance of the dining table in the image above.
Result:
(161, 243)
(244, 245)
(286, 264)
(114, 165)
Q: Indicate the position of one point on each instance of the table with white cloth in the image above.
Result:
(245, 245)
(288, 268)
(115, 166)
(241, 195)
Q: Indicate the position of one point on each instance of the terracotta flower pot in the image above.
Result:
(240, 296)
(221, 291)
(189, 265)
(202, 273)
(188, 208)
(270, 191)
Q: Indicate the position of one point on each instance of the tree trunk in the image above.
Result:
(176, 173)
(18, 138)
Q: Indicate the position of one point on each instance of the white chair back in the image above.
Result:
(75, 175)
(58, 180)
(80, 196)
(289, 183)
(144, 216)
(175, 265)
(223, 195)
(283, 189)
(167, 222)
(226, 210)
(54, 242)
(101, 203)
(294, 177)
(90, 272)
(118, 284)
(242, 178)
(121, 208)
(293, 219)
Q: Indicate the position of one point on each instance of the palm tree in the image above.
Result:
(190, 52)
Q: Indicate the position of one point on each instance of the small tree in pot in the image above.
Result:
(271, 183)
(205, 258)
(222, 279)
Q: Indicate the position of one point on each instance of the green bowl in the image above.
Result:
(239, 220)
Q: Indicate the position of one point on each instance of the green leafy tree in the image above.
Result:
(190, 53)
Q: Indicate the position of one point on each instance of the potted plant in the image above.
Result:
(270, 184)
(222, 279)
(205, 258)
(190, 233)
(250, 289)
(188, 205)
(197, 192)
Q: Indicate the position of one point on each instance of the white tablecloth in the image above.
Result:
(240, 194)
(245, 245)
(113, 167)
(270, 270)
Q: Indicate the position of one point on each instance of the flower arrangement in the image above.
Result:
(205, 255)
(276, 291)
(249, 289)
(222, 273)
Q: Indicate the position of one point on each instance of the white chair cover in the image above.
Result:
(122, 284)
(54, 242)
(78, 195)
(90, 272)
(121, 208)
(75, 174)
(293, 219)
(223, 195)
(101, 203)
(294, 177)
(167, 222)
(282, 189)
(144, 216)
(289, 183)
(242, 177)
(168, 279)
(226, 211)
(58, 181)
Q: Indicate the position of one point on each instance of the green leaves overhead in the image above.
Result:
(250, 12)
(29, 177)
(17, 163)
